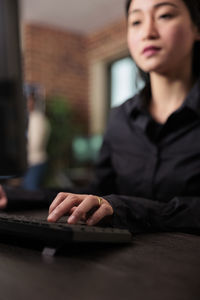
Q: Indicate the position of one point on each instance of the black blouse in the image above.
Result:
(150, 173)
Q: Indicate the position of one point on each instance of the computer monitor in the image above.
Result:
(12, 103)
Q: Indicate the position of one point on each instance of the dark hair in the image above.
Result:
(194, 10)
(128, 3)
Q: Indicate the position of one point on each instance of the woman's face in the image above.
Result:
(161, 35)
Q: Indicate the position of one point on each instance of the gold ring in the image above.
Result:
(99, 200)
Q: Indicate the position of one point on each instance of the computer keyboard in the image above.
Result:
(57, 234)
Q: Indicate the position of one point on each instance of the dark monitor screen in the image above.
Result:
(12, 104)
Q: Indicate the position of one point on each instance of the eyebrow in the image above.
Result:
(155, 6)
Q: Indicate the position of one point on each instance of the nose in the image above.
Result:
(150, 29)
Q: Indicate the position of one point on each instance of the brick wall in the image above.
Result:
(108, 42)
(57, 60)
(60, 61)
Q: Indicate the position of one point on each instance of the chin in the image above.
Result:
(160, 69)
(153, 65)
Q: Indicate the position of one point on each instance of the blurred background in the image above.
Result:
(75, 58)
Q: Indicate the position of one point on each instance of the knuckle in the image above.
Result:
(61, 194)
(90, 197)
(62, 205)
(71, 197)
(107, 209)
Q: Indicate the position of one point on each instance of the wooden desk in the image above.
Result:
(163, 266)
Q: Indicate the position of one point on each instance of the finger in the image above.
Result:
(73, 209)
(64, 207)
(2, 192)
(103, 211)
(3, 202)
(59, 198)
(84, 207)
(3, 198)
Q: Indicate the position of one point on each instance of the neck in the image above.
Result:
(168, 94)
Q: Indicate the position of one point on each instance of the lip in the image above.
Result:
(148, 51)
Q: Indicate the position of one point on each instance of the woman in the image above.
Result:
(148, 173)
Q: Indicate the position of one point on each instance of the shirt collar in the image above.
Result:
(137, 108)
(139, 103)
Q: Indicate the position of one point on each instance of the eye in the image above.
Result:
(166, 16)
(135, 23)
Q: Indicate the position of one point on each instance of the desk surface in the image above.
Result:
(159, 266)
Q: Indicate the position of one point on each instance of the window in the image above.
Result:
(124, 81)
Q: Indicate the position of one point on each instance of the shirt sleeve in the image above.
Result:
(141, 215)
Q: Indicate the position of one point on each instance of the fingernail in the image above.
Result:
(51, 216)
(71, 219)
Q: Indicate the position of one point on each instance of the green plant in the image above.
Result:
(61, 117)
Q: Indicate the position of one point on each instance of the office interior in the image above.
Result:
(74, 68)
(76, 55)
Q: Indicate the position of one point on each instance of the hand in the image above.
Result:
(77, 206)
(3, 198)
